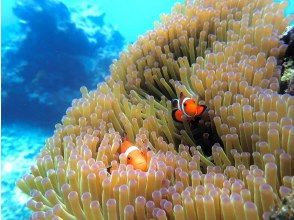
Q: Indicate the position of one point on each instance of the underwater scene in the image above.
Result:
(158, 109)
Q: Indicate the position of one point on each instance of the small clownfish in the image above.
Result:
(186, 108)
(135, 156)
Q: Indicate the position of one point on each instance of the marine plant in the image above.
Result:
(226, 55)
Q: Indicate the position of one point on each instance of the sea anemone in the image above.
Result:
(226, 55)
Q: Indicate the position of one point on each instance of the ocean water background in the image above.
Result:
(50, 49)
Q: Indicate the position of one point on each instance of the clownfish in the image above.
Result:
(185, 107)
(135, 156)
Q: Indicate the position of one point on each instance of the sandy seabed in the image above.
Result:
(20, 145)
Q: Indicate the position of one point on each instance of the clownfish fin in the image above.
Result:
(201, 109)
(177, 115)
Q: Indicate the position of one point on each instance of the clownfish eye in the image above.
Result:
(129, 158)
(185, 104)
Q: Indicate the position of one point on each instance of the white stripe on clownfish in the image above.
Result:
(183, 107)
(130, 150)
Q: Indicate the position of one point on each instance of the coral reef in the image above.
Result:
(287, 79)
(224, 54)
(286, 210)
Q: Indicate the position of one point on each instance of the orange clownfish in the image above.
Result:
(135, 156)
(186, 108)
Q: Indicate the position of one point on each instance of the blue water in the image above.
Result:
(49, 50)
